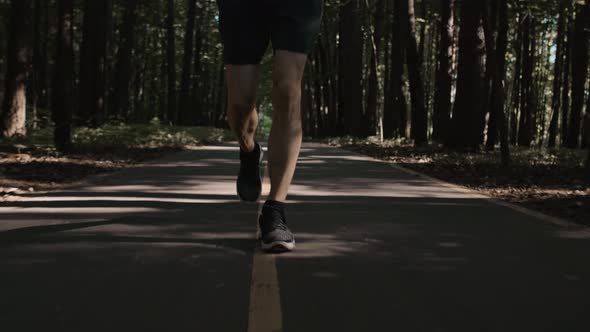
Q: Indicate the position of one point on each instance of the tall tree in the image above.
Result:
(497, 103)
(419, 115)
(184, 103)
(40, 43)
(14, 107)
(527, 123)
(557, 75)
(579, 72)
(171, 61)
(497, 83)
(466, 115)
(63, 84)
(395, 116)
(517, 74)
(374, 53)
(350, 71)
(93, 62)
(120, 99)
(197, 117)
(444, 79)
(566, 81)
(586, 128)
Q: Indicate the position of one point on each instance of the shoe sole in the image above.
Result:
(259, 180)
(277, 246)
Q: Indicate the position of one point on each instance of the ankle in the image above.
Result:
(251, 149)
(273, 203)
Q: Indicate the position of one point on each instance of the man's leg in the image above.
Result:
(242, 85)
(286, 134)
(283, 149)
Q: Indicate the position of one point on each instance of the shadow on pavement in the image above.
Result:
(169, 248)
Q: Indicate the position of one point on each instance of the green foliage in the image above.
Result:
(151, 135)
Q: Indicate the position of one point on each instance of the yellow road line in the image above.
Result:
(264, 314)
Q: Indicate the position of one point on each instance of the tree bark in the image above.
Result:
(171, 62)
(14, 107)
(586, 127)
(197, 118)
(419, 129)
(527, 103)
(184, 105)
(39, 77)
(497, 86)
(442, 94)
(557, 76)
(517, 81)
(350, 70)
(395, 116)
(93, 63)
(375, 51)
(579, 73)
(121, 97)
(63, 85)
(566, 83)
(465, 132)
(497, 104)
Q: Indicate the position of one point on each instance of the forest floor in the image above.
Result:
(551, 181)
(33, 164)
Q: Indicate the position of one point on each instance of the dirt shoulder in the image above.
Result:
(551, 181)
(32, 165)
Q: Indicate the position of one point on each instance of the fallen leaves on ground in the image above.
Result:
(551, 181)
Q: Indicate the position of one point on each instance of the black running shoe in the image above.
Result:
(274, 235)
(249, 180)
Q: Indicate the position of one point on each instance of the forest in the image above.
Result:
(464, 75)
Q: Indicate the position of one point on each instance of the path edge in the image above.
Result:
(556, 221)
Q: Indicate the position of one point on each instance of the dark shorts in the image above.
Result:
(247, 26)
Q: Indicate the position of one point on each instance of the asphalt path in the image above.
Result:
(167, 246)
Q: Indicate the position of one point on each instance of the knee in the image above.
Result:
(242, 103)
(287, 90)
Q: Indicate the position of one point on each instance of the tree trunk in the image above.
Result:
(39, 79)
(487, 85)
(350, 103)
(557, 75)
(586, 128)
(527, 107)
(14, 107)
(317, 89)
(93, 62)
(184, 105)
(566, 83)
(387, 100)
(220, 101)
(375, 51)
(63, 85)
(395, 117)
(197, 118)
(497, 85)
(442, 94)
(466, 116)
(121, 97)
(328, 81)
(517, 81)
(419, 129)
(171, 62)
(579, 73)
(497, 104)
(424, 24)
